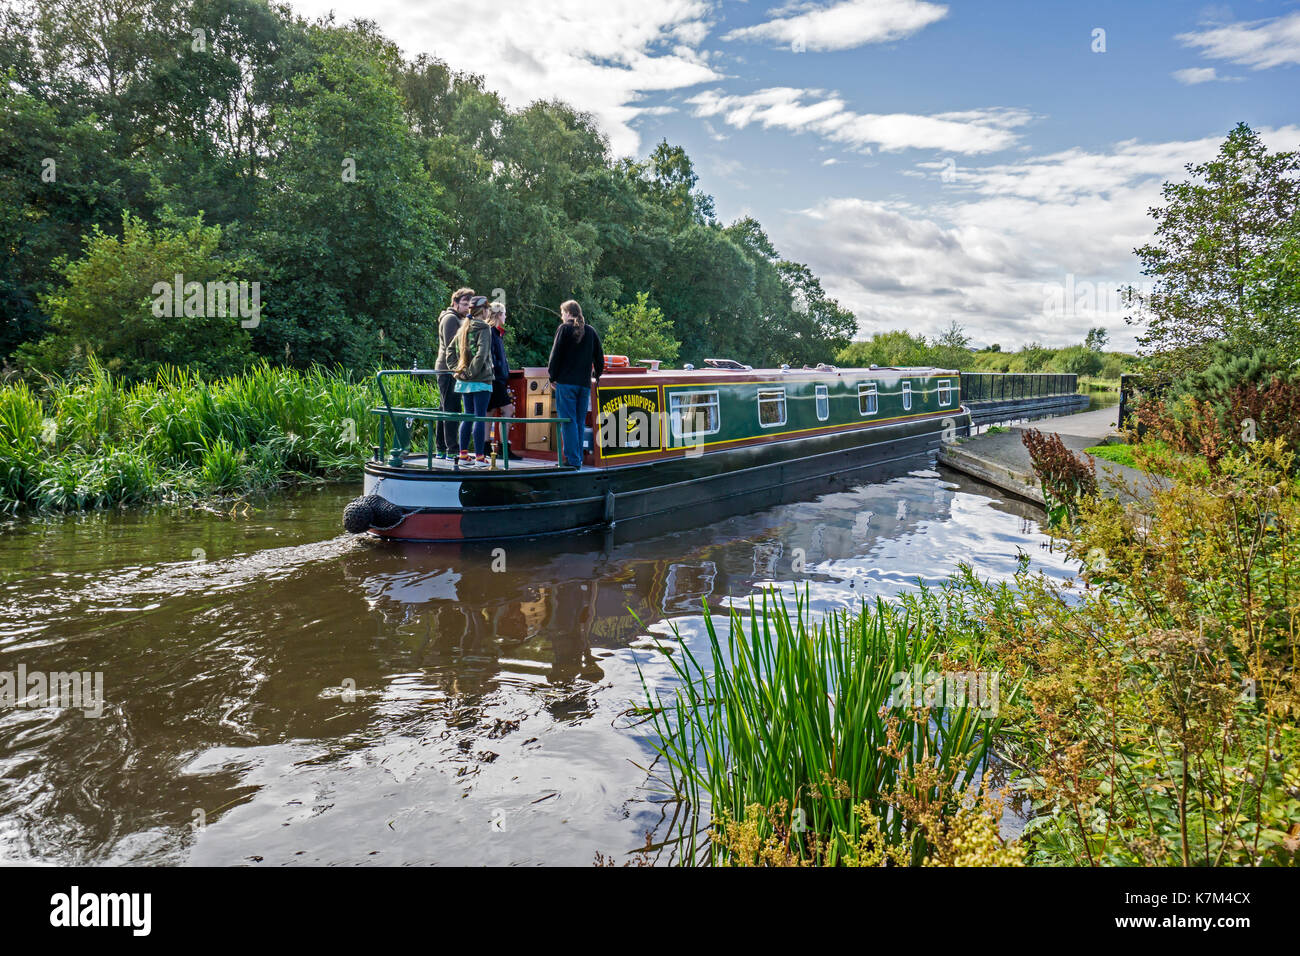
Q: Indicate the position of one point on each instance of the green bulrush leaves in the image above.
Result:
(796, 712)
(94, 441)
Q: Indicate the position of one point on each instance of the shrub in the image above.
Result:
(1065, 478)
(1159, 717)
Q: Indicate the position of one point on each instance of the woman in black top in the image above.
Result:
(501, 404)
(576, 358)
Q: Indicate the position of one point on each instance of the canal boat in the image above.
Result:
(690, 445)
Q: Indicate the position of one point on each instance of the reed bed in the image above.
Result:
(787, 745)
(97, 441)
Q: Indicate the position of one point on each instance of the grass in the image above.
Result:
(98, 441)
(1152, 456)
(1093, 383)
(1119, 454)
(792, 720)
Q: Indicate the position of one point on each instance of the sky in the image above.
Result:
(989, 162)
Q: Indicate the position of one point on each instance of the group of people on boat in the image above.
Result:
(473, 372)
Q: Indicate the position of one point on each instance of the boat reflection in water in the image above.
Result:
(323, 700)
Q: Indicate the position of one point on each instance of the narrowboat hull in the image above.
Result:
(443, 505)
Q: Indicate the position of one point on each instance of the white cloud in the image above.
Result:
(844, 25)
(825, 114)
(1259, 44)
(1196, 74)
(602, 56)
(1000, 243)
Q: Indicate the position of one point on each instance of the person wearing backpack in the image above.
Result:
(471, 353)
(576, 358)
(449, 324)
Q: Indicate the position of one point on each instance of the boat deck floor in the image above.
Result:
(420, 462)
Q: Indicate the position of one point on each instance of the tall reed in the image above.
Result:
(96, 441)
(801, 714)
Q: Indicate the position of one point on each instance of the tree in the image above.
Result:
(952, 348)
(349, 235)
(358, 187)
(639, 330)
(1217, 234)
(1096, 339)
(1032, 358)
(893, 348)
(107, 304)
(1076, 360)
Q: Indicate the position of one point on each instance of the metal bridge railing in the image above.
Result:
(1012, 386)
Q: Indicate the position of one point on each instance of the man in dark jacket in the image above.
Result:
(446, 435)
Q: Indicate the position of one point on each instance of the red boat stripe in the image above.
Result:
(431, 526)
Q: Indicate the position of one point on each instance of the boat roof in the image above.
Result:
(775, 374)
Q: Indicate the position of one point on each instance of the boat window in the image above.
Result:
(867, 399)
(907, 396)
(945, 391)
(823, 403)
(771, 407)
(694, 413)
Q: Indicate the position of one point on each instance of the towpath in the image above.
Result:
(1002, 460)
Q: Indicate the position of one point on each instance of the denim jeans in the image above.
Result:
(571, 402)
(476, 403)
(448, 401)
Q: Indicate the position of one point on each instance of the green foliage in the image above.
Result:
(893, 348)
(1076, 360)
(1238, 397)
(1223, 261)
(106, 303)
(1032, 358)
(639, 330)
(1162, 701)
(797, 713)
(351, 240)
(252, 129)
(1096, 339)
(952, 350)
(1119, 454)
(96, 440)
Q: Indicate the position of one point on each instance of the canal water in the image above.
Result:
(275, 692)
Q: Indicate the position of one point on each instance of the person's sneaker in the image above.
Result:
(464, 459)
(480, 461)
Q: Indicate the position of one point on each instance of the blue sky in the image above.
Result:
(984, 162)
